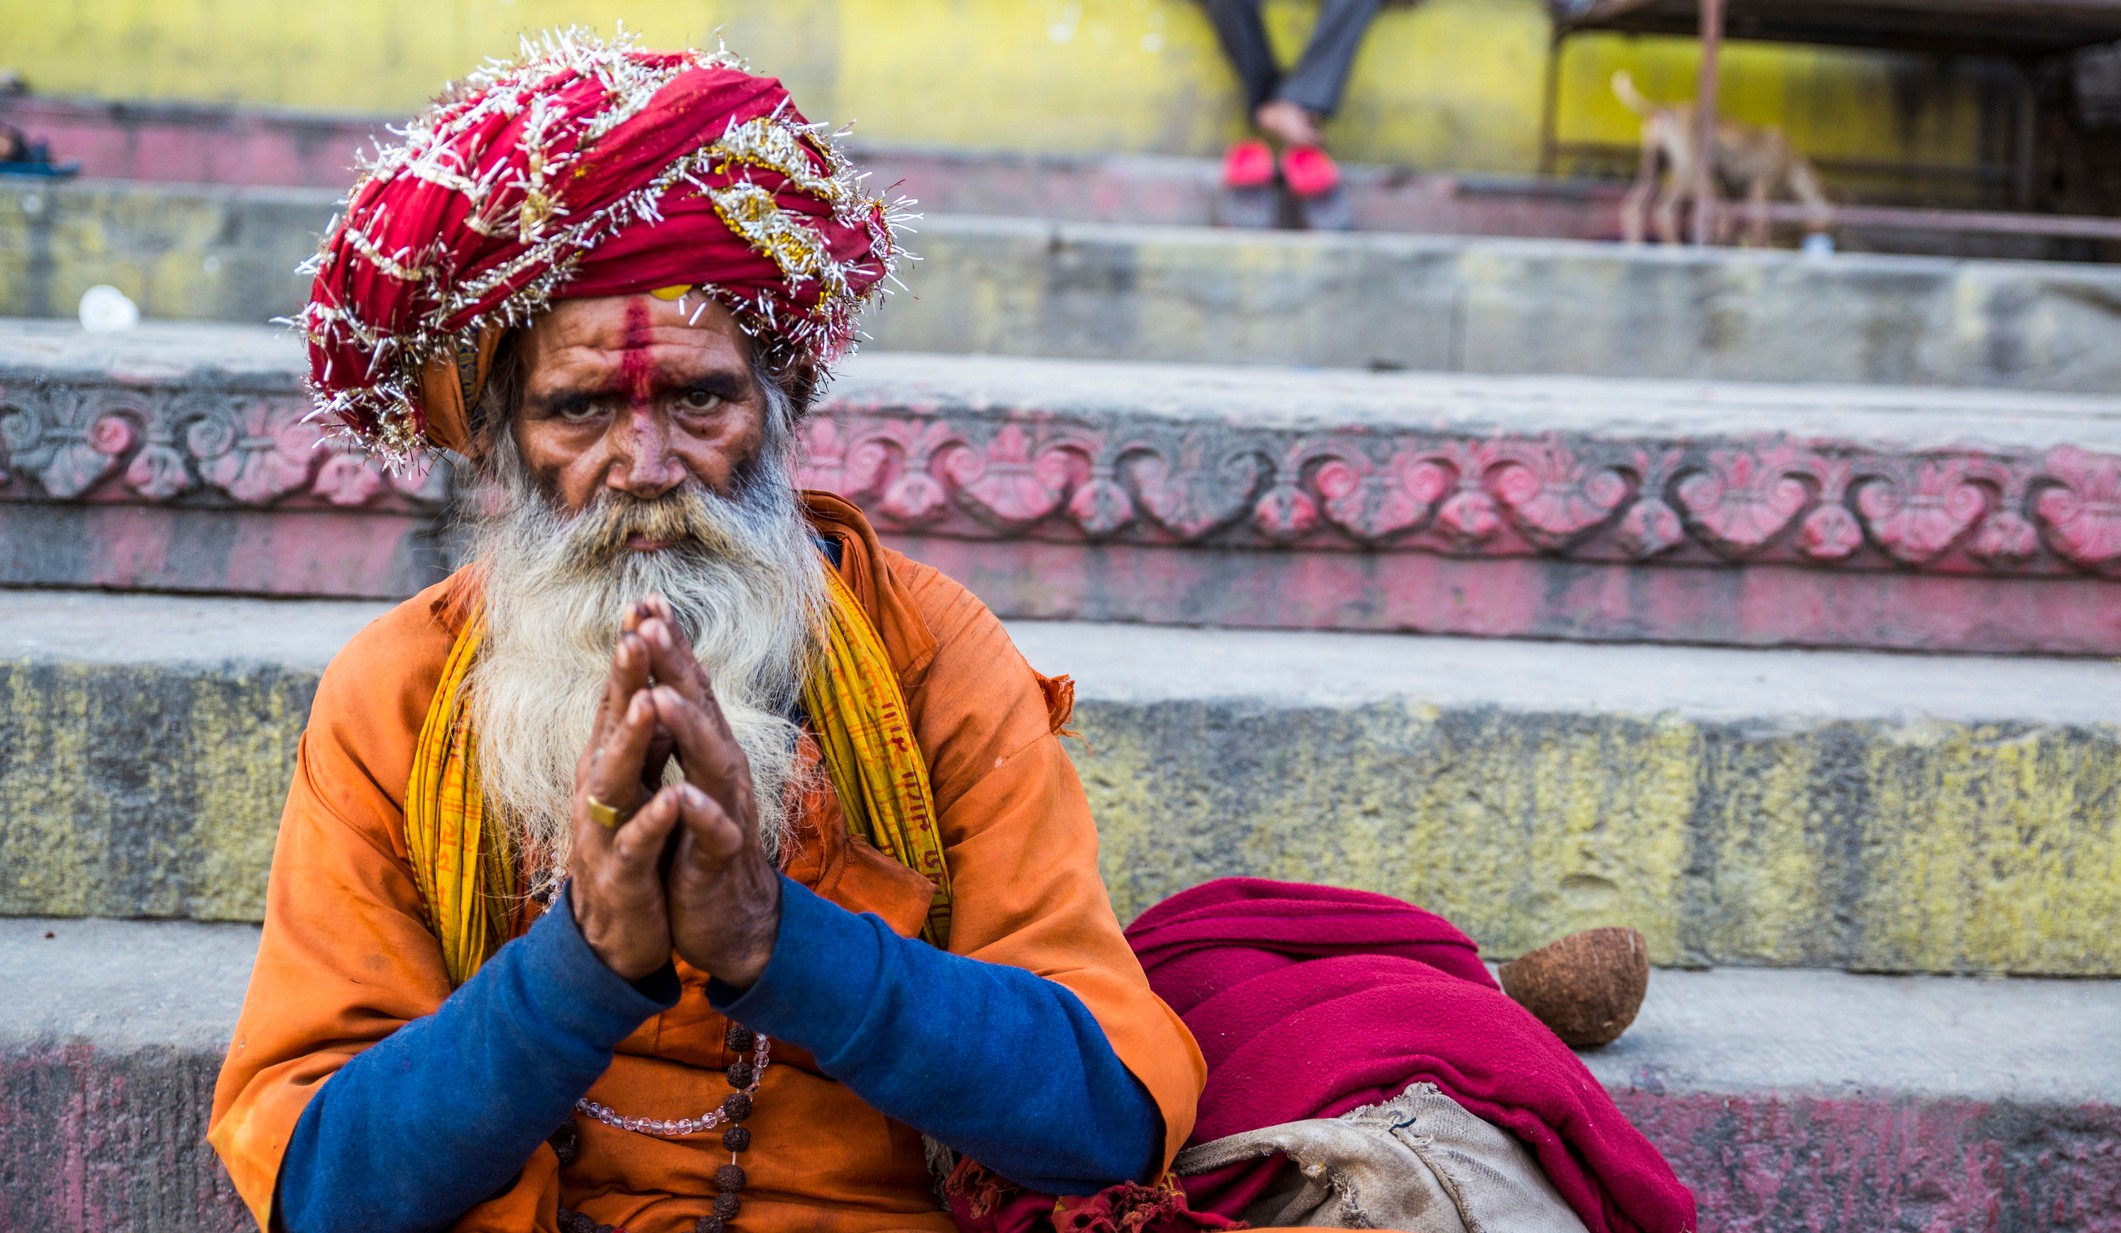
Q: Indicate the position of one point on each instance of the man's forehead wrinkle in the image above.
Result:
(596, 371)
(562, 334)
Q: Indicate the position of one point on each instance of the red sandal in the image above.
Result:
(1248, 164)
(1248, 196)
(1314, 180)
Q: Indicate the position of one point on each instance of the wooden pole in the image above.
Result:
(1705, 123)
(2023, 166)
(1549, 101)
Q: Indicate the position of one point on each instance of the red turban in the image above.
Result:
(583, 168)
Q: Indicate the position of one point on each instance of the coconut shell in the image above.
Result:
(1585, 987)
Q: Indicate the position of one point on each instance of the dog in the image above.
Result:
(1757, 158)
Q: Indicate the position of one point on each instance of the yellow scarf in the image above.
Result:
(470, 876)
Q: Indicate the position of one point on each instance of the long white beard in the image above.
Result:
(744, 580)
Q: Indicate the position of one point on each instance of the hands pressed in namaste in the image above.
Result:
(716, 898)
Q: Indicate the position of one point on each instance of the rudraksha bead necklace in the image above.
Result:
(729, 1179)
(744, 1075)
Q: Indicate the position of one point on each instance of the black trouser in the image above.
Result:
(1318, 78)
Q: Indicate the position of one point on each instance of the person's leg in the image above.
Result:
(1316, 82)
(1244, 38)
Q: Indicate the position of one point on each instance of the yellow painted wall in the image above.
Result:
(1443, 84)
(1835, 103)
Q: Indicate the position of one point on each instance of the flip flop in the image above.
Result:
(1314, 180)
(1248, 196)
(1248, 164)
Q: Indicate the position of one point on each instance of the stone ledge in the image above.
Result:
(1817, 809)
(107, 1071)
(193, 143)
(1913, 1103)
(1786, 1099)
(1105, 291)
(176, 457)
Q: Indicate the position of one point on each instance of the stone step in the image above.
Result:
(107, 1070)
(1582, 508)
(234, 145)
(1024, 286)
(1785, 1099)
(174, 457)
(1783, 808)
(177, 457)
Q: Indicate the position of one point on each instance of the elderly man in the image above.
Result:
(689, 859)
(691, 863)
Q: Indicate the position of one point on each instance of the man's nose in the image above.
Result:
(644, 465)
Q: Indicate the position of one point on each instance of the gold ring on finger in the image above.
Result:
(605, 816)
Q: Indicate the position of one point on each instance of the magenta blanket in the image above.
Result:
(1309, 1001)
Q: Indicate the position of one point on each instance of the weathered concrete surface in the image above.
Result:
(125, 546)
(192, 143)
(1019, 286)
(146, 749)
(108, 1052)
(1787, 1100)
(1760, 605)
(182, 251)
(1776, 808)
(1786, 808)
(1823, 1101)
(178, 457)
(1026, 287)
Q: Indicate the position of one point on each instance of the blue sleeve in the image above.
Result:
(441, 1115)
(1000, 1064)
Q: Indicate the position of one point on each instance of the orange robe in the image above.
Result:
(346, 957)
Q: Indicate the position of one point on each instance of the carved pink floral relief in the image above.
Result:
(1552, 493)
(2081, 508)
(154, 445)
(1829, 533)
(70, 443)
(1741, 499)
(79, 466)
(346, 479)
(1285, 512)
(1101, 505)
(2005, 539)
(1823, 504)
(1917, 513)
(853, 465)
(254, 454)
(1374, 503)
(890, 465)
(1650, 527)
(1198, 490)
(1010, 482)
(990, 472)
(1469, 514)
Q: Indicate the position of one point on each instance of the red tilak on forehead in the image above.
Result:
(636, 363)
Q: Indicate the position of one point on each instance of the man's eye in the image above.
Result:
(700, 400)
(581, 412)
